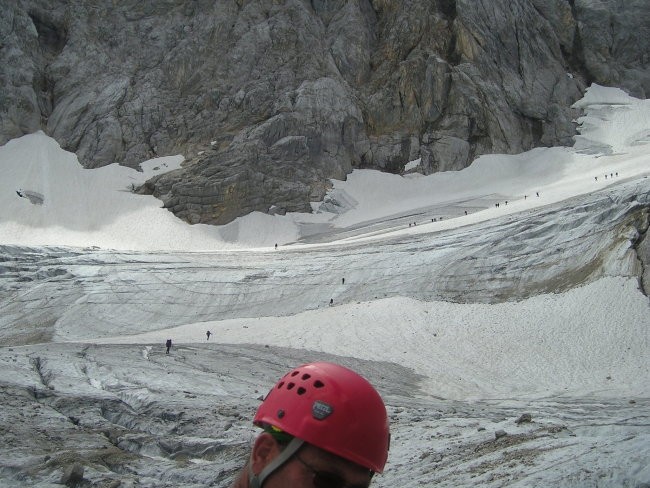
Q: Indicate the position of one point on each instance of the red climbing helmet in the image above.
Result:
(333, 408)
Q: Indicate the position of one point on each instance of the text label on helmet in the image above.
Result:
(321, 410)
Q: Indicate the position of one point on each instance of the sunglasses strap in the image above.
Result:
(257, 480)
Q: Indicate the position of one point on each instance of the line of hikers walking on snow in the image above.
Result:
(168, 343)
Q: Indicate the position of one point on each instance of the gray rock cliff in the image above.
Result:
(269, 100)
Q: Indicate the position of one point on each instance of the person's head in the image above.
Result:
(324, 427)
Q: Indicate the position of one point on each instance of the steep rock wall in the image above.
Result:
(268, 100)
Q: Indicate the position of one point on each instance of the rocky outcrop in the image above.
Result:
(269, 100)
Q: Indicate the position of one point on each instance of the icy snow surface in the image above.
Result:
(465, 315)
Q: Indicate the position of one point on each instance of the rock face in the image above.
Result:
(268, 100)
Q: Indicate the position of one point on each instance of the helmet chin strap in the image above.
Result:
(257, 480)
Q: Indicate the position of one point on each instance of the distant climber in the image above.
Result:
(208, 333)
(331, 302)
(168, 344)
(343, 281)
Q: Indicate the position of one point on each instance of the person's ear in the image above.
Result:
(265, 449)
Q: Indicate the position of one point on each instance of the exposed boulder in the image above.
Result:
(524, 418)
(73, 474)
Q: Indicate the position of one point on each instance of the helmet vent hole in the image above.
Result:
(295, 373)
(280, 385)
(305, 376)
(318, 384)
(301, 391)
(291, 385)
